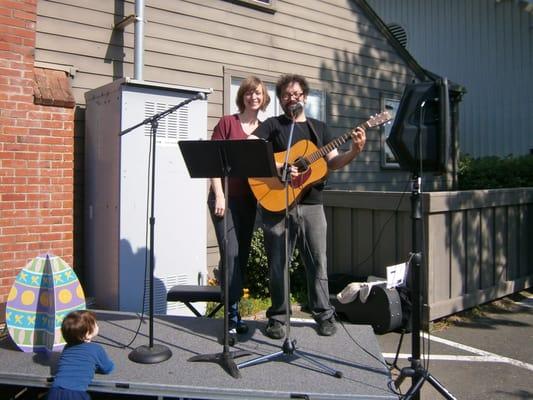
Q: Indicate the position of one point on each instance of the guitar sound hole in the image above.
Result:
(301, 164)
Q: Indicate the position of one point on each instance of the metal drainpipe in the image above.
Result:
(139, 40)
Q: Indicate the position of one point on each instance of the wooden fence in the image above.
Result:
(477, 245)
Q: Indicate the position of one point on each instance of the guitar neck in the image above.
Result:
(335, 143)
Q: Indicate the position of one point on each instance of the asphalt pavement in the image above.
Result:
(483, 354)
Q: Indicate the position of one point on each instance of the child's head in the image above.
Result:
(79, 326)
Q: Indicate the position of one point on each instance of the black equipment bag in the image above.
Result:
(383, 309)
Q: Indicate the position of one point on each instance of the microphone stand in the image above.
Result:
(152, 354)
(289, 345)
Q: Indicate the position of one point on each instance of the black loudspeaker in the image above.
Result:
(420, 134)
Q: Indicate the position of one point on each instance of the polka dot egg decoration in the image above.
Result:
(44, 291)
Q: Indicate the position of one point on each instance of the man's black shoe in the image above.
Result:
(327, 327)
(238, 327)
(275, 329)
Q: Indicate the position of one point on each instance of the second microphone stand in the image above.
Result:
(151, 353)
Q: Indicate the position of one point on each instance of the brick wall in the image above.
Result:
(36, 154)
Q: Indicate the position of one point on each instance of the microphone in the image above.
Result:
(295, 109)
(198, 96)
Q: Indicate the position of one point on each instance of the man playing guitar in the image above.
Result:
(307, 221)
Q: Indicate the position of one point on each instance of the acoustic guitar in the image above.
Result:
(313, 168)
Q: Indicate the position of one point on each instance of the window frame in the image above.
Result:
(262, 5)
(316, 105)
(389, 102)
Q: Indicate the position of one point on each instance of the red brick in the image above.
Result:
(26, 156)
(50, 236)
(14, 230)
(8, 105)
(14, 147)
(40, 229)
(28, 140)
(15, 130)
(12, 197)
(18, 114)
(30, 16)
(24, 106)
(40, 131)
(13, 180)
(51, 156)
(27, 172)
(7, 189)
(39, 180)
(40, 115)
(52, 140)
(54, 124)
(26, 205)
(25, 5)
(10, 72)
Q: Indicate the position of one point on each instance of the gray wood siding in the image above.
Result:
(485, 45)
(193, 42)
(332, 43)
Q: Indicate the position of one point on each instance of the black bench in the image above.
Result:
(188, 294)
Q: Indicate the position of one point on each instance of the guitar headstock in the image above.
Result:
(378, 119)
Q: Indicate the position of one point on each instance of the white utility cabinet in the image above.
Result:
(117, 195)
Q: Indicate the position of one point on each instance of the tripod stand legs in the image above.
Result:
(289, 349)
(419, 376)
(224, 359)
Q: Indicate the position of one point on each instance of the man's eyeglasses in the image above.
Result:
(287, 96)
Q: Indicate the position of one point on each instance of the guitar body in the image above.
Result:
(270, 192)
(313, 168)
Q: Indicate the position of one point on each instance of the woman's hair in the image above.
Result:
(287, 79)
(252, 83)
(77, 325)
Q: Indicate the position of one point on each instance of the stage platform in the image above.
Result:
(353, 351)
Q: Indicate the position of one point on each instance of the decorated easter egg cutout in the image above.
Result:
(44, 291)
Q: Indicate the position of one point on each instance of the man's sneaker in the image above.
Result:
(238, 327)
(327, 327)
(275, 329)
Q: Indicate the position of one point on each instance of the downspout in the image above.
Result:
(138, 59)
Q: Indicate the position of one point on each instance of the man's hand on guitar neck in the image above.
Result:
(358, 140)
(337, 160)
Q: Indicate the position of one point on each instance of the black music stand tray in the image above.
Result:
(223, 159)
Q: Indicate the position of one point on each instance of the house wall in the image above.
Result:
(200, 42)
(36, 155)
(485, 45)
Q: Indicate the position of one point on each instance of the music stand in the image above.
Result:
(225, 159)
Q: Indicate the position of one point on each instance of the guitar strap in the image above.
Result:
(314, 132)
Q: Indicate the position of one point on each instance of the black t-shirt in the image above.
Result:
(277, 130)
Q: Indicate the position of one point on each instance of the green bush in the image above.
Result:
(495, 172)
(257, 273)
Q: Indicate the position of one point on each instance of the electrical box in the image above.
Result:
(118, 195)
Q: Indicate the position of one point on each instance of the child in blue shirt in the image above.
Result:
(80, 358)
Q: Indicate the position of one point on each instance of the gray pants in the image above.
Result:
(307, 231)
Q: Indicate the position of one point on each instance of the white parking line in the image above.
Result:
(483, 356)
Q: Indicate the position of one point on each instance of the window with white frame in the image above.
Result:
(315, 106)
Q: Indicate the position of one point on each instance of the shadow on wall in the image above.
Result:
(134, 280)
